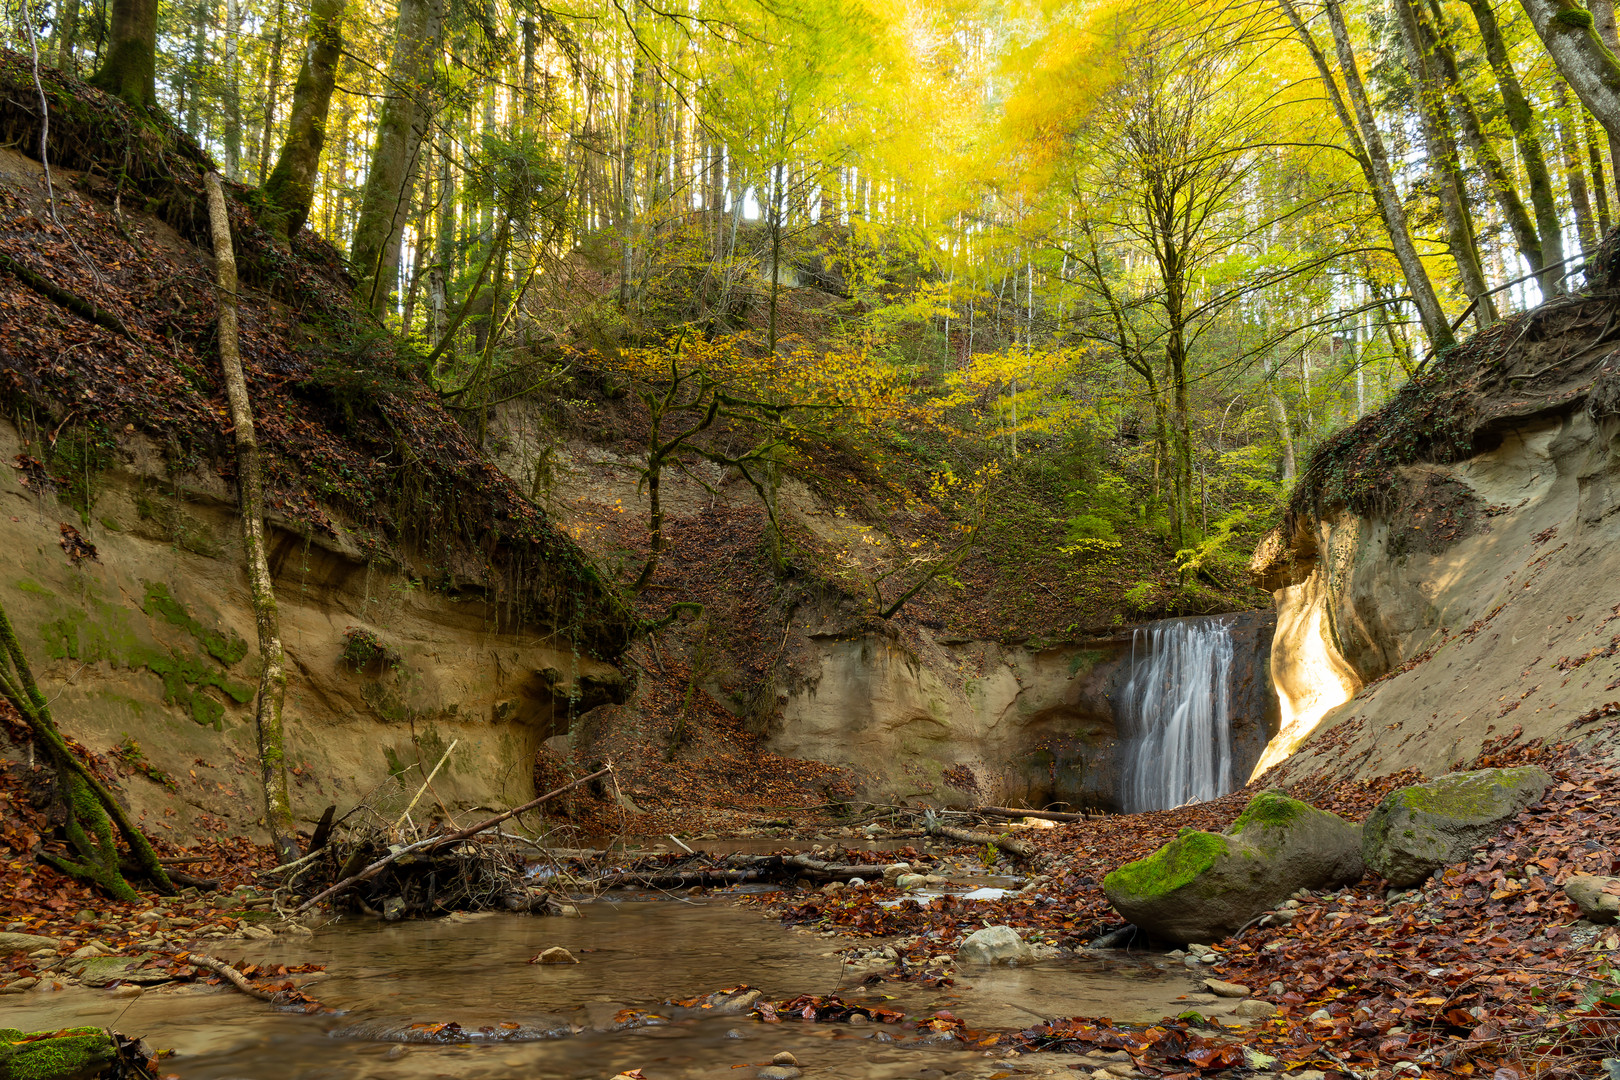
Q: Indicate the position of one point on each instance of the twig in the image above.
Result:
(412, 805)
(439, 841)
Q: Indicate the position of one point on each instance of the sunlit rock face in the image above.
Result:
(1494, 607)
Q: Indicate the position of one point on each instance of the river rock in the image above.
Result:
(10, 943)
(994, 945)
(1416, 830)
(555, 955)
(1255, 1009)
(779, 1072)
(1590, 895)
(893, 871)
(106, 970)
(1203, 886)
(784, 1057)
(1226, 989)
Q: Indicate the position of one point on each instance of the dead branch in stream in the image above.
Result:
(423, 848)
(1021, 850)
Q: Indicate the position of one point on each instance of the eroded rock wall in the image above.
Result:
(1491, 604)
(981, 722)
(153, 645)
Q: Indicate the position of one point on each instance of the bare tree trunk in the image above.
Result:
(1571, 146)
(1443, 166)
(272, 89)
(68, 37)
(1600, 190)
(1585, 62)
(1522, 121)
(1538, 250)
(250, 488)
(232, 90)
(1368, 145)
(401, 124)
(291, 185)
(130, 69)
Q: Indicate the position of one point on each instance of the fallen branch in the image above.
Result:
(75, 303)
(1044, 815)
(440, 841)
(1021, 850)
(232, 976)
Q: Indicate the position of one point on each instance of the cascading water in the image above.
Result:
(1177, 716)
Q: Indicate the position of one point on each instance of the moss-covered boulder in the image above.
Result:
(69, 1054)
(1202, 886)
(1418, 829)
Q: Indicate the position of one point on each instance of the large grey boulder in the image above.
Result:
(1202, 886)
(994, 945)
(1597, 897)
(1418, 829)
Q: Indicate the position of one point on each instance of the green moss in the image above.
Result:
(1575, 17)
(107, 635)
(33, 588)
(72, 1054)
(1172, 866)
(111, 525)
(160, 604)
(1269, 810)
(1464, 795)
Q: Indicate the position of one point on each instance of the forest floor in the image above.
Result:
(1486, 968)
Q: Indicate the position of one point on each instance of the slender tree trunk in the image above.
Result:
(420, 254)
(1600, 189)
(627, 182)
(191, 85)
(1591, 70)
(406, 112)
(1368, 146)
(272, 91)
(1537, 252)
(130, 68)
(1443, 166)
(1573, 171)
(1522, 121)
(67, 38)
(250, 488)
(291, 186)
(231, 87)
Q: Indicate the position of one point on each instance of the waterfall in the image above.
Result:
(1177, 716)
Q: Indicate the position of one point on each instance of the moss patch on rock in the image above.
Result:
(69, 1054)
(1269, 810)
(1461, 794)
(1172, 866)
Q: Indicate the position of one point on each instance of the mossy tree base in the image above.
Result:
(93, 821)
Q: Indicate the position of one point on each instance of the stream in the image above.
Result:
(565, 1021)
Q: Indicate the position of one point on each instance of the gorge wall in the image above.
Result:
(151, 642)
(1482, 600)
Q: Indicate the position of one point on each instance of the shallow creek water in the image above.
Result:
(634, 954)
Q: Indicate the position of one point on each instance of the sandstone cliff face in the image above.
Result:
(1485, 601)
(988, 723)
(153, 644)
